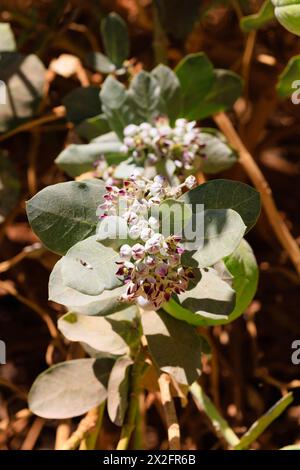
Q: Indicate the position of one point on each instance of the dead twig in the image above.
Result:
(164, 383)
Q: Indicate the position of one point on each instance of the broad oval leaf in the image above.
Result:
(287, 13)
(24, 77)
(218, 155)
(196, 77)
(103, 304)
(100, 63)
(100, 333)
(65, 213)
(118, 390)
(175, 346)
(115, 38)
(208, 296)
(66, 390)
(145, 94)
(170, 90)
(90, 267)
(223, 229)
(78, 159)
(227, 194)
(82, 103)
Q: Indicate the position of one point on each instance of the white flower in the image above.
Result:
(155, 243)
(153, 222)
(146, 233)
(130, 130)
(138, 251)
(125, 251)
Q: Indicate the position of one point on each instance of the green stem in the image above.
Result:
(130, 422)
(160, 41)
(221, 426)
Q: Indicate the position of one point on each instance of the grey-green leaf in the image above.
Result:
(65, 213)
(174, 345)
(82, 103)
(100, 63)
(78, 159)
(196, 77)
(92, 127)
(208, 296)
(145, 94)
(7, 38)
(223, 229)
(103, 304)
(116, 39)
(97, 332)
(118, 389)
(24, 77)
(90, 267)
(227, 194)
(66, 389)
(170, 90)
(218, 155)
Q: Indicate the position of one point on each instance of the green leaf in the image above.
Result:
(82, 103)
(170, 90)
(243, 267)
(126, 169)
(227, 194)
(259, 19)
(226, 89)
(90, 267)
(208, 296)
(287, 13)
(100, 63)
(145, 95)
(221, 426)
(66, 389)
(92, 127)
(7, 38)
(24, 77)
(115, 38)
(264, 422)
(104, 334)
(118, 390)
(65, 213)
(78, 159)
(9, 187)
(289, 79)
(196, 77)
(176, 18)
(223, 229)
(175, 346)
(116, 105)
(173, 216)
(219, 156)
(103, 304)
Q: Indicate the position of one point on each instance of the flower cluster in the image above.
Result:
(151, 265)
(151, 144)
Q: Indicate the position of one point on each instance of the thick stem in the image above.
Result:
(130, 421)
(246, 160)
(170, 412)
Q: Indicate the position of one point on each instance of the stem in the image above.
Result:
(170, 412)
(90, 441)
(281, 230)
(160, 41)
(132, 411)
(221, 426)
(87, 424)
